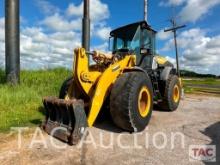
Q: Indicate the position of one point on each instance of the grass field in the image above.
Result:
(21, 105)
(208, 85)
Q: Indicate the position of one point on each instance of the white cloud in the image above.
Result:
(2, 29)
(51, 43)
(72, 19)
(192, 10)
(46, 6)
(48, 50)
(57, 22)
(195, 9)
(99, 10)
(161, 35)
(42, 50)
(2, 41)
(36, 33)
(74, 10)
(199, 52)
(171, 2)
(103, 33)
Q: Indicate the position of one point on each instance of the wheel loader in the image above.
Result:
(133, 79)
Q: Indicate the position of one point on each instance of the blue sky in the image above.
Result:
(51, 29)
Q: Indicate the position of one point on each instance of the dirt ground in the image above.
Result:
(196, 122)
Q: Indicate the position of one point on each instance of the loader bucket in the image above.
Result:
(65, 119)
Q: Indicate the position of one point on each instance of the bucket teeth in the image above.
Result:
(65, 119)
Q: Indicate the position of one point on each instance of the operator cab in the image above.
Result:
(137, 38)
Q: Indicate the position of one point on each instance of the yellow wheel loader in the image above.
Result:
(132, 76)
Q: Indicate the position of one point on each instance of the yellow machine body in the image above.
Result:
(133, 71)
(97, 83)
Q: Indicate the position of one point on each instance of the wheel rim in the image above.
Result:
(176, 93)
(67, 97)
(144, 102)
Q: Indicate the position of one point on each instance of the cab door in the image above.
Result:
(148, 45)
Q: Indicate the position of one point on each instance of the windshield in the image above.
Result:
(130, 41)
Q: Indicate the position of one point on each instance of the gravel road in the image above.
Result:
(165, 141)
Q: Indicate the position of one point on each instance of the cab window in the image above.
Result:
(149, 41)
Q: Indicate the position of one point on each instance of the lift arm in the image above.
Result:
(97, 84)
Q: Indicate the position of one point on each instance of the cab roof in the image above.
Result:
(122, 31)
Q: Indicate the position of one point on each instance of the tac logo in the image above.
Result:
(206, 153)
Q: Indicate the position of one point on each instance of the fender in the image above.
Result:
(136, 68)
(166, 72)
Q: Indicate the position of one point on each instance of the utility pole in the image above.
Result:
(12, 41)
(86, 26)
(146, 10)
(174, 29)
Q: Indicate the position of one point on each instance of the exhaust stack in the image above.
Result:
(12, 41)
(146, 10)
(86, 26)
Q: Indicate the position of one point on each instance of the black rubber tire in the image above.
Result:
(76, 92)
(124, 101)
(65, 86)
(168, 103)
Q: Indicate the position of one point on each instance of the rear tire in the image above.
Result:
(126, 101)
(172, 94)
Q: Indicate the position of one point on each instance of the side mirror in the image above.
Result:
(145, 51)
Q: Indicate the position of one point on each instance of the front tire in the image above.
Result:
(70, 90)
(131, 101)
(172, 94)
(64, 88)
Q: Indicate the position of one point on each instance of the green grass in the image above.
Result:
(22, 105)
(203, 90)
(205, 81)
(204, 85)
